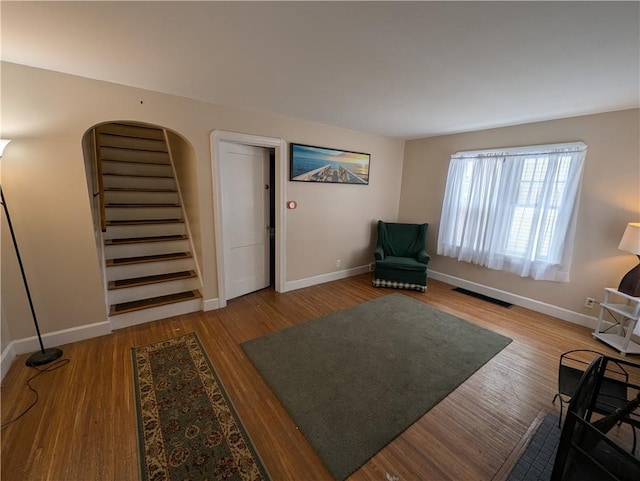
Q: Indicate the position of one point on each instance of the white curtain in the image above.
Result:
(514, 209)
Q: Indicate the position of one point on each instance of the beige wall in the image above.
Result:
(5, 336)
(610, 198)
(47, 113)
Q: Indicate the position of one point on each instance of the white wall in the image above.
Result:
(47, 113)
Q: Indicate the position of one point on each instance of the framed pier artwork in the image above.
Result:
(320, 164)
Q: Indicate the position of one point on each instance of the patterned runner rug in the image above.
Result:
(187, 426)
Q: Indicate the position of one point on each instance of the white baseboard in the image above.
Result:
(211, 304)
(30, 344)
(51, 339)
(538, 306)
(322, 278)
(65, 336)
(151, 314)
(8, 355)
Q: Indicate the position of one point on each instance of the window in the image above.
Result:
(514, 209)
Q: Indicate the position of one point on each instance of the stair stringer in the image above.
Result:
(187, 224)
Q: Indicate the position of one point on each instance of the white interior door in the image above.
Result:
(245, 206)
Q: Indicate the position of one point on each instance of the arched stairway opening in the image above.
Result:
(147, 256)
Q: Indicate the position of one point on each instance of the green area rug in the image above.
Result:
(356, 379)
(187, 426)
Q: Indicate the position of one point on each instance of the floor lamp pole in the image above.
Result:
(44, 356)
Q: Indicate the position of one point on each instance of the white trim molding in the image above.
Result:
(6, 360)
(538, 306)
(65, 336)
(328, 277)
(30, 344)
(280, 147)
(52, 339)
(211, 304)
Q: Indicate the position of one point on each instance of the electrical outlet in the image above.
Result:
(371, 267)
(589, 302)
(338, 262)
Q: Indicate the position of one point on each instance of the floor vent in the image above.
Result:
(483, 297)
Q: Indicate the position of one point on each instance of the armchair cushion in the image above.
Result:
(402, 263)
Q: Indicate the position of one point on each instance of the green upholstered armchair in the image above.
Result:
(401, 257)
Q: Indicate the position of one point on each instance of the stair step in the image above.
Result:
(138, 240)
(134, 318)
(131, 130)
(143, 259)
(119, 154)
(123, 250)
(136, 162)
(154, 176)
(150, 229)
(136, 169)
(116, 141)
(153, 302)
(115, 205)
(145, 213)
(141, 281)
(138, 182)
(137, 189)
(142, 269)
(144, 222)
(155, 289)
(141, 197)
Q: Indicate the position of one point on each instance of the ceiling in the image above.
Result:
(404, 70)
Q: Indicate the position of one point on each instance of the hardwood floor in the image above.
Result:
(83, 426)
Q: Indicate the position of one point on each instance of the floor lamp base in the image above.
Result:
(43, 357)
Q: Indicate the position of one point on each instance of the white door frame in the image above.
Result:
(279, 145)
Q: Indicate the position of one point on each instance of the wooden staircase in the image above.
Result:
(149, 268)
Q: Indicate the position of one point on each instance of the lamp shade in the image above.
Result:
(630, 241)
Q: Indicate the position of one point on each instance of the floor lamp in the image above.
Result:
(44, 356)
